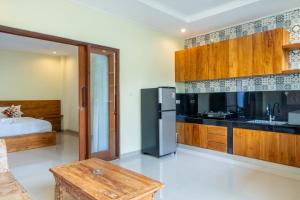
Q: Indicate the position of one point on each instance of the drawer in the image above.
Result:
(217, 146)
(217, 138)
(217, 130)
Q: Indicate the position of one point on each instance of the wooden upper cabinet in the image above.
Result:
(191, 59)
(268, 54)
(180, 66)
(218, 60)
(240, 57)
(203, 63)
(252, 55)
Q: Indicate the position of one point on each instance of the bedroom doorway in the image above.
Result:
(103, 144)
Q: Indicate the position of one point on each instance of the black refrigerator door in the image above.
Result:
(167, 98)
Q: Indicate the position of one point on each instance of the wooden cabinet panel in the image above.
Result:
(188, 133)
(203, 64)
(269, 146)
(197, 135)
(217, 130)
(217, 146)
(218, 60)
(268, 54)
(180, 66)
(287, 149)
(240, 57)
(217, 138)
(180, 132)
(200, 136)
(191, 59)
(257, 54)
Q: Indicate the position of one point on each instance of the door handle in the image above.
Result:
(83, 97)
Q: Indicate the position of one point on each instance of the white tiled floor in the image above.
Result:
(189, 175)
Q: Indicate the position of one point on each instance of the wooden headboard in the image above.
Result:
(49, 110)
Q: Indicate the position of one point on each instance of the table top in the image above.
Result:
(10, 189)
(103, 180)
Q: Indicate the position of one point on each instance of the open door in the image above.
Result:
(99, 93)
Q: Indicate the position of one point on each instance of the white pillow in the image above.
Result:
(19, 113)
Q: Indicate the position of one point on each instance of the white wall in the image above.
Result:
(29, 76)
(70, 96)
(146, 60)
(32, 76)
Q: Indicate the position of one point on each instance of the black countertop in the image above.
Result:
(241, 123)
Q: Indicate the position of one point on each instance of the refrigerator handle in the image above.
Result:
(159, 115)
(160, 95)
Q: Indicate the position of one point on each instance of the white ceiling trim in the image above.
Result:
(165, 9)
(201, 15)
(219, 9)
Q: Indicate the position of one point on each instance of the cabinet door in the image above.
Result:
(180, 66)
(287, 149)
(269, 57)
(218, 60)
(180, 132)
(202, 68)
(200, 136)
(217, 138)
(240, 57)
(223, 59)
(188, 133)
(191, 59)
(247, 143)
(269, 146)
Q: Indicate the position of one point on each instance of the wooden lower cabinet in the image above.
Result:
(180, 132)
(217, 138)
(199, 136)
(204, 136)
(275, 147)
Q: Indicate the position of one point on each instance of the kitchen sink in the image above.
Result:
(267, 122)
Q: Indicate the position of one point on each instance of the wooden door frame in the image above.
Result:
(111, 153)
(83, 52)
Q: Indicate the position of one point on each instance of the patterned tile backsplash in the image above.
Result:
(289, 20)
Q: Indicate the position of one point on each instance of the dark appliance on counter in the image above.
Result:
(158, 110)
(219, 115)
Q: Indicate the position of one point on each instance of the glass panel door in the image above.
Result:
(102, 105)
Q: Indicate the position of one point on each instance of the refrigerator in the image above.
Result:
(158, 121)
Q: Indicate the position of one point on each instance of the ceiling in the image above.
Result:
(25, 44)
(196, 16)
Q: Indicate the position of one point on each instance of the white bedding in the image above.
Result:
(22, 126)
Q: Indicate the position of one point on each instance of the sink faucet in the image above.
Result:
(271, 113)
(276, 105)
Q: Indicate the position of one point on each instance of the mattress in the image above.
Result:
(22, 126)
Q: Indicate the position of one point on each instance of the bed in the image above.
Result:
(34, 129)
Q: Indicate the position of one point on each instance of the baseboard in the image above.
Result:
(130, 154)
(71, 131)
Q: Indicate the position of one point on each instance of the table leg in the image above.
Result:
(58, 192)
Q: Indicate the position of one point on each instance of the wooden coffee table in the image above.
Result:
(96, 179)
